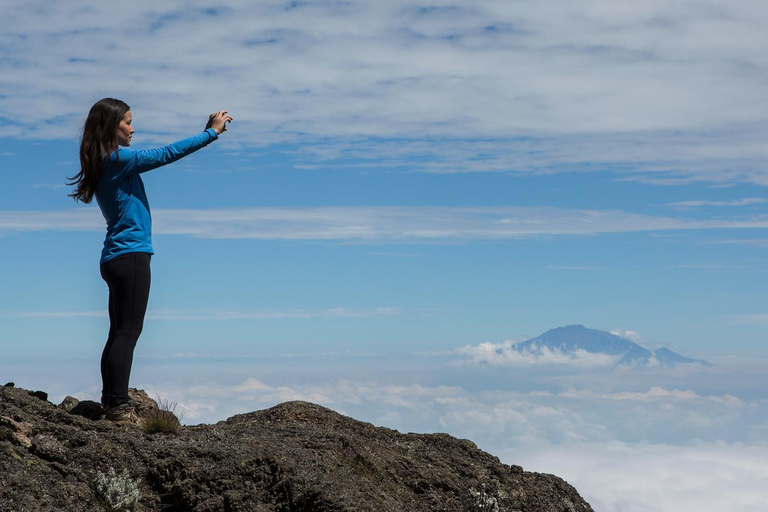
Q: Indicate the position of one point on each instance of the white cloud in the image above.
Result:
(506, 354)
(522, 87)
(81, 219)
(757, 319)
(654, 394)
(494, 418)
(251, 384)
(377, 224)
(645, 477)
(739, 202)
(629, 335)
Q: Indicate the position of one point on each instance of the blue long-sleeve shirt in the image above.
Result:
(122, 199)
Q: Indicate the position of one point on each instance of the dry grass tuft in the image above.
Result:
(162, 420)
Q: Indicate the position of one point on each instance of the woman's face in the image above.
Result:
(125, 130)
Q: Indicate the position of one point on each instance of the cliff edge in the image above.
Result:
(294, 457)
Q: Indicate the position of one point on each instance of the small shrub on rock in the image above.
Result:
(117, 493)
(482, 501)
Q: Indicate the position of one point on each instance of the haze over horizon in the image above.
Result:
(407, 191)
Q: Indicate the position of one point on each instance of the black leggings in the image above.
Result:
(128, 278)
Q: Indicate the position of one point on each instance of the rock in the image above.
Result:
(142, 404)
(10, 385)
(49, 448)
(95, 411)
(89, 409)
(17, 432)
(42, 395)
(69, 403)
(295, 456)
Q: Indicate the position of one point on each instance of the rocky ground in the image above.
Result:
(293, 457)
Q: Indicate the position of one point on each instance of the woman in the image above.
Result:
(113, 175)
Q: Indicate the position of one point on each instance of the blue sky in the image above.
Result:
(403, 183)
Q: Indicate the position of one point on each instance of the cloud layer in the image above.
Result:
(666, 90)
(497, 407)
(378, 224)
(628, 445)
(643, 477)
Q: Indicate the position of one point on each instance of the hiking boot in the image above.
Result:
(123, 413)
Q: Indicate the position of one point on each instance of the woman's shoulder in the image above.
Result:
(119, 164)
(121, 155)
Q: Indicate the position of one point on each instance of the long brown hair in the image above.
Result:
(99, 140)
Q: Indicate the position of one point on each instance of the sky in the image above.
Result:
(406, 184)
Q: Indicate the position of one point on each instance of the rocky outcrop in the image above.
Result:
(296, 456)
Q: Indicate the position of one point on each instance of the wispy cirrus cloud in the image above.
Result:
(378, 224)
(175, 314)
(754, 319)
(55, 314)
(54, 186)
(576, 267)
(340, 312)
(499, 87)
(753, 242)
(717, 266)
(739, 202)
(81, 219)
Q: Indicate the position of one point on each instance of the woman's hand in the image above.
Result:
(218, 121)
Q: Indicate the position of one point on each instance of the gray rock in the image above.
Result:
(296, 456)
(42, 395)
(49, 448)
(142, 403)
(89, 409)
(69, 403)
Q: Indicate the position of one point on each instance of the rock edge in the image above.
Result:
(296, 456)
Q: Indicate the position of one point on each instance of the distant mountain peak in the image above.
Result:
(573, 339)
